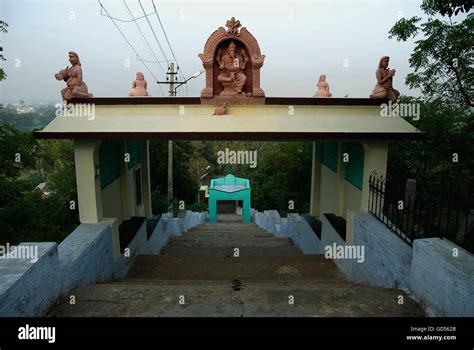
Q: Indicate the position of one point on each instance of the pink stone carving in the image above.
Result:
(232, 62)
(323, 87)
(384, 88)
(76, 87)
(232, 66)
(220, 110)
(233, 26)
(139, 86)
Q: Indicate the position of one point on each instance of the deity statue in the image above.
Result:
(139, 86)
(232, 66)
(76, 87)
(323, 87)
(384, 88)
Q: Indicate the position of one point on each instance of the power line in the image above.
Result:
(150, 61)
(154, 34)
(128, 42)
(143, 36)
(122, 20)
(146, 41)
(169, 45)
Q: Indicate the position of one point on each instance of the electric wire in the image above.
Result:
(128, 42)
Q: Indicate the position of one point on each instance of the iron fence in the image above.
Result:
(422, 213)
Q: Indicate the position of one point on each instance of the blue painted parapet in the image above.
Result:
(30, 285)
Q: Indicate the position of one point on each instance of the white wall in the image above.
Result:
(352, 198)
(328, 199)
(112, 200)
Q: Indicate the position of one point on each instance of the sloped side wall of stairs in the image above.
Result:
(86, 256)
(429, 271)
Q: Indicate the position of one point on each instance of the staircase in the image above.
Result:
(220, 240)
(199, 274)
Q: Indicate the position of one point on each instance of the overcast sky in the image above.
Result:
(301, 40)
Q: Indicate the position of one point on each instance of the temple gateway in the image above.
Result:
(109, 189)
(120, 236)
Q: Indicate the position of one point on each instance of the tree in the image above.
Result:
(25, 214)
(449, 133)
(443, 57)
(3, 29)
(442, 162)
(448, 8)
(184, 183)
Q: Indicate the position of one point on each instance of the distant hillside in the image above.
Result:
(27, 121)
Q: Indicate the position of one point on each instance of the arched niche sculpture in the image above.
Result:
(232, 62)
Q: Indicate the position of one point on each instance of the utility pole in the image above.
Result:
(171, 74)
(171, 81)
(171, 78)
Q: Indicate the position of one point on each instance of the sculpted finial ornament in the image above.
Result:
(233, 26)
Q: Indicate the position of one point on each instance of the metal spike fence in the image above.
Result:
(437, 212)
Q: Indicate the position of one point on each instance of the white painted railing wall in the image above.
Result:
(86, 256)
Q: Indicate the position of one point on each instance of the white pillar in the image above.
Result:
(89, 193)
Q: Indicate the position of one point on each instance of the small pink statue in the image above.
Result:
(384, 88)
(220, 110)
(139, 86)
(76, 87)
(323, 87)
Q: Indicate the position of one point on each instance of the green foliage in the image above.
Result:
(443, 57)
(26, 214)
(159, 202)
(405, 28)
(27, 121)
(283, 172)
(17, 151)
(446, 7)
(34, 218)
(185, 185)
(198, 207)
(449, 130)
(443, 70)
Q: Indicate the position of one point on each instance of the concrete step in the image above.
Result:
(227, 225)
(300, 267)
(236, 235)
(203, 250)
(200, 265)
(230, 242)
(223, 282)
(217, 299)
(229, 231)
(194, 232)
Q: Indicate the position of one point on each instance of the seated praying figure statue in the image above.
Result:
(232, 66)
(323, 87)
(76, 87)
(139, 86)
(384, 88)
